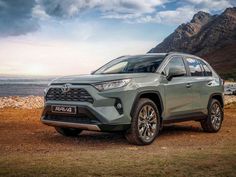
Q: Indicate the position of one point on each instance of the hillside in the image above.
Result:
(212, 37)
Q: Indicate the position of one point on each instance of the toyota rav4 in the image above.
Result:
(137, 95)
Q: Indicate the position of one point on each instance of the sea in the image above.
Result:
(35, 85)
(24, 85)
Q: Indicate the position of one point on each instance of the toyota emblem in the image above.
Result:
(65, 88)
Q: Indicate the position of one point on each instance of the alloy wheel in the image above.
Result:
(216, 116)
(147, 123)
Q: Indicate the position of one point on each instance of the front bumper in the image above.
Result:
(101, 115)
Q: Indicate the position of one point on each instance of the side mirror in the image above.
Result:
(175, 72)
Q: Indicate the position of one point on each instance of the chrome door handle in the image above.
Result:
(210, 83)
(188, 85)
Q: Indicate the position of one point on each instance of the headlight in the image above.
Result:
(111, 84)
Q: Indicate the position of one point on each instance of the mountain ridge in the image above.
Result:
(206, 35)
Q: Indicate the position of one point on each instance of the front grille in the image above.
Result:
(74, 94)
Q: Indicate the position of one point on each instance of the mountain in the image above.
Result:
(212, 37)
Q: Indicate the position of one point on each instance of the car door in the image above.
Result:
(208, 85)
(198, 82)
(177, 91)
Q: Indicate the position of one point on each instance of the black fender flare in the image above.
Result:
(137, 97)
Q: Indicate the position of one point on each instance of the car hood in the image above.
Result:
(93, 78)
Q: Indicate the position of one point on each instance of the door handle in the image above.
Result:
(188, 85)
(210, 83)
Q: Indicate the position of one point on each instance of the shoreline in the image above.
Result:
(36, 102)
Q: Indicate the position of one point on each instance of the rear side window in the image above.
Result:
(207, 70)
(195, 67)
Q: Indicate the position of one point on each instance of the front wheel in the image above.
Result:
(68, 131)
(214, 120)
(145, 124)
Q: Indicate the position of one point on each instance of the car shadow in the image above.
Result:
(102, 139)
(180, 129)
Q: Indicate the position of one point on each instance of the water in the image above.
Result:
(23, 86)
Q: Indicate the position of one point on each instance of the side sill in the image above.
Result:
(185, 118)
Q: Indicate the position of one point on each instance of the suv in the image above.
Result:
(137, 95)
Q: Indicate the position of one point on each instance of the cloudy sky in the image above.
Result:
(60, 37)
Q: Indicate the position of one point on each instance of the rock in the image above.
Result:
(29, 102)
(34, 102)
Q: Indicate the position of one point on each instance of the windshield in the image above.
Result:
(132, 64)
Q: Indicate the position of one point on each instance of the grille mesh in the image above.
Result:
(74, 94)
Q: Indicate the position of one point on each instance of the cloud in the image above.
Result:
(16, 17)
(72, 8)
(19, 17)
(183, 13)
(180, 15)
(212, 5)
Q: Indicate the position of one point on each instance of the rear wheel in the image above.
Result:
(145, 123)
(68, 131)
(215, 117)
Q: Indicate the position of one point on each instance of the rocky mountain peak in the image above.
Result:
(198, 21)
(205, 35)
(201, 18)
(230, 12)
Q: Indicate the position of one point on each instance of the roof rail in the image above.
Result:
(186, 54)
(177, 53)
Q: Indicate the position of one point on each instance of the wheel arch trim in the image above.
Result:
(216, 94)
(138, 96)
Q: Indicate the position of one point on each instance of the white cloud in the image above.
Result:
(38, 12)
(180, 15)
(211, 5)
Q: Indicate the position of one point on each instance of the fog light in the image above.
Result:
(118, 106)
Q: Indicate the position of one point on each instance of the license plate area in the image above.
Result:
(62, 109)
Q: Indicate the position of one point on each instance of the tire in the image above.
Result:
(68, 131)
(144, 128)
(213, 122)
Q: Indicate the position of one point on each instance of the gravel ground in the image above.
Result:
(31, 102)
(29, 148)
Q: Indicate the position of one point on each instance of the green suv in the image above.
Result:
(137, 95)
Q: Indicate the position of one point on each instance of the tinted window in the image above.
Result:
(195, 67)
(207, 71)
(176, 63)
(132, 64)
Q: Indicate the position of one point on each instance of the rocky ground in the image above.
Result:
(32, 102)
(29, 102)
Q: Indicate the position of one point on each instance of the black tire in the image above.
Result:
(148, 125)
(213, 122)
(68, 131)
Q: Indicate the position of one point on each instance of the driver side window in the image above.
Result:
(176, 64)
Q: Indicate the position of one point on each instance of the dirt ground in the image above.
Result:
(29, 148)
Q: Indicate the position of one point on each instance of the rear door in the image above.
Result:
(178, 92)
(198, 83)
